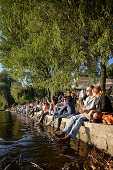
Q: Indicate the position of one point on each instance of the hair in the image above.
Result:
(70, 99)
(55, 100)
(48, 100)
(97, 90)
(91, 87)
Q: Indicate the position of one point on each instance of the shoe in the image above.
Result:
(58, 129)
(62, 134)
(48, 124)
(90, 120)
(64, 140)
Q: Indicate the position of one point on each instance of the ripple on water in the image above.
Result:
(21, 141)
(1, 139)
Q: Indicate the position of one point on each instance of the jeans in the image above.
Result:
(77, 120)
(43, 116)
(66, 115)
(54, 114)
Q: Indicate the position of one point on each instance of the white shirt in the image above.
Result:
(89, 103)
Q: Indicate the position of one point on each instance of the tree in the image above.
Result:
(41, 49)
(23, 94)
(49, 43)
(109, 71)
(5, 78)
(5, 98)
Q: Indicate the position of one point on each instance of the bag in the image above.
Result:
(107, 119)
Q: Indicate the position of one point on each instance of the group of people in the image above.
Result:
(92, 106)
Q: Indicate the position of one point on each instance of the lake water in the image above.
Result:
(24, 145)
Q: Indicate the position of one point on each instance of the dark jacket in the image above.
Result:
(68, 108)
(103, 103)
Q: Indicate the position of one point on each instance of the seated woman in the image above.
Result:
(55, 113)
(50, 111)
(44, 108)
(102, 104)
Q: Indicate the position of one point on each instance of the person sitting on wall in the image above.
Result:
(73, 97)
(77, 120)
(44, 109)
(58, 106)
(50, 111)
(102, 104)
(67, 111)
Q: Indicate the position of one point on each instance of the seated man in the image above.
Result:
(77, 120)
(57, 108)
(68, 110)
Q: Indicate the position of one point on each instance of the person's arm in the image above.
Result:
(63, 108)
(42, 111)
(88, 116)
(81, 106)
(51, 107)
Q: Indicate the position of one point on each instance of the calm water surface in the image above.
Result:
(24, 145)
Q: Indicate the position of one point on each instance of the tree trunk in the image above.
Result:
(103, 77)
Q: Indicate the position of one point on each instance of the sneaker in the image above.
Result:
(91, 120)
(58, 129)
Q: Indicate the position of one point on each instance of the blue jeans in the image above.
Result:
(54, 114)
(77, 120)
(65, 115)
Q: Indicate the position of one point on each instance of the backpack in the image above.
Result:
(107, 119)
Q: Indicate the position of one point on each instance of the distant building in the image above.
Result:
(83, 82)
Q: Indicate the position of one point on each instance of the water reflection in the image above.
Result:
(10, 126)
(25, 145)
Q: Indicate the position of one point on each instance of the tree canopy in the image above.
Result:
(12, 92)
(110, 71)
(49, 43)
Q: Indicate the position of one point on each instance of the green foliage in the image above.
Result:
(12, 92)
(23, 94)
(44, 42)
(16, 92)
(5, 99)
(109, 71)
(5, 78)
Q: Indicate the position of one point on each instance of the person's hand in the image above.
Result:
(86, 115)
(39, 116)
(90, 113)
(81, 111)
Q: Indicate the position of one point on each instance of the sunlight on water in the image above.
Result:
(23, 144)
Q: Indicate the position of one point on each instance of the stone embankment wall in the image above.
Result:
(98, 134)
